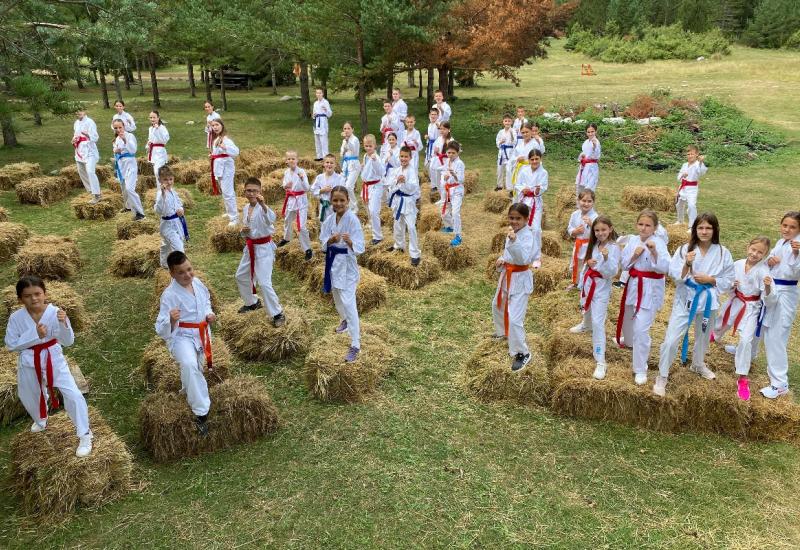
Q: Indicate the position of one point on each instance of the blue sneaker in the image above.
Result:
(447, 229)
(456, 241)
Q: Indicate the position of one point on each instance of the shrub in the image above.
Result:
(774, 23)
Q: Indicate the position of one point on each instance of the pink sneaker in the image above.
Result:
(744, 389)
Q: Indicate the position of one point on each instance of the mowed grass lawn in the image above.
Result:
(424, 464)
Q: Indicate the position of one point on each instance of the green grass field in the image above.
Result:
(424, 464)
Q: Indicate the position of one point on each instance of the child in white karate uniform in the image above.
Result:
(537, 138)
(688, 184)
(588, 171)
(323, 183)
(38, 331)
(579, 228)
(601, 265)
(373, 185)
(295, 204)
(430, 139)
(439, 159)
(223, 169)
(519, 157)
(515, 286)
(399, 106)
(184, 322)
(390, 124)
(445, 112)
(519, 122)
(122, 115)
(702, 269)
(531, 185)
(752, 287)
(412, 140)
(211, 115)
(452, 186)
(342, 241)
(506, 139)
(647, 260)
(258, 256)
(169, 207)
(127, 170)
(403, 186)
(157, 138)
(351, 168)
(321, 113)
(84, 141)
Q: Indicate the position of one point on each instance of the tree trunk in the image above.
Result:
(117, 88)
(151, 60)
(9, 135)
(192, 86)
(274, 78)
(390, 83)
(127, 74)
(104, 88)
(207, 80)
(222, 90)
(78, 77)
(430, 88)
(305, 98)
(37, 118)
(419, 95)
(443, 79)
(139, 72)
(451, 81)
(94, 76)
(362, 84)
(411, 82)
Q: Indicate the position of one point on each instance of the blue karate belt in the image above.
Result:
(785, 282)
(700, 290)
(183, 223)
(330, 254)
(388, 167)
(118, 156)
(323, 208)
(761, 315)
(345, 167)
(429, 152)
(317, 118)
(504, 153)
(402, 200)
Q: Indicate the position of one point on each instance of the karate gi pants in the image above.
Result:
(289, 226)
(687, 200)
(86, 170)
(74, 402)
(407, 221)
(265, 258)
(345, 301)
(636, 331)
(595, 320)
(517, 308)
(193, 382)
(171, 240)
(673, 339)
(321, 145)
(452, 214)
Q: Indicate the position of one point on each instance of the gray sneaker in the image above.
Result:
(520, 361)
(279, 320)
(352, 354)
(342, 327)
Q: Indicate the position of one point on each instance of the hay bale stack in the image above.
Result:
(490, 271)
(263, 167)
(12, 174)
(12, 237)
(10, 406)
(50, 480)
(223, 238)
(371, 291)
(565, 205)
(203, 183)
(137, 257)
(59, 294)
(48, 257)
(496, 202)
(128, 229)
(639, 197)
(163, 374)
(273, 191)
(560, 308)
(430, 219)
(77, 374)
(397, 268)
(185, 196)
(551, 244)
(241, 412)
(143, 183)
(329, 378)
(553, 274)
(42, 190)
(291, 258)
(471, 180)
(487, 375)
(104, 174)
(107, 208)
(451, 258)
(678, 235)
(162, 279)
(248, 157)
(498, 242)
(711, 406)
(774, 420)
(312, 225)
(251, 335)
(563, 346)
(189, 171)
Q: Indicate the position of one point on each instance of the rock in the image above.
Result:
(580, 121)
(190, 122)
(554, 116)
(614, 120)
(286, 98)
(567, 120)
(701, 58)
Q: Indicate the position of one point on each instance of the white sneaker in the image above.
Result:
(771, 392)
(660, 387)
(95, 199)
(536, 264)
(730, 348)
(231, 225)
(599, 371)
(703, 371)
(640, 378)
(84, 446)
(36, 427)
(577, 329)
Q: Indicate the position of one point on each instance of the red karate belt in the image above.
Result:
(578, 244)
(37, 366)
(441, 156)
(251, 251)
(209, 140)
(686, 183)
(385, 133)
(365, 185)
(150, 151)
(77, 144)
(640, 277)
(410, 146)
(592, 274)
(744, 298)
(530, 193)
(447, 188)
(584, 162)
(205, 339)
(510, 268)
(286, 201)
(214, 188)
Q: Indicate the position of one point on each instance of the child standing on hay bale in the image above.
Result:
(211, 115)
(702, 269)
(323, 184)
(295, 204)
(373, 186)
(403, 186)
(519, 158)
(515, 285)
(173, 228)
(84, 141)
(532, 183)
(390, 124)
(647, 260)
(127, 170)
(123, 116)
(519, 122)
(588, 171)
(412, 140)
(157, 138)
(321, 113)
(258, 255)
(38, 331)
(351, 168)
(223, 168)
(601, 266)
(688, 179)
(580, 228)
(453, 187)
(784, 263)
(342, 241)
(752, 287)
(430, 139)
(439, 159)
(506, 139)
(184, 320)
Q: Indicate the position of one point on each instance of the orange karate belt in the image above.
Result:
(575, 251)
(290, 194)
(214, 187)
(205, 339)
(510, 269)
(447, 188)
(37, 366)
(251, 251)
(640, 276)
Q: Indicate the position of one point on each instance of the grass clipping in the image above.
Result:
(371, 290)
(251, 335)
(42, 190)
(12, 174)
(451, 258)
(329, 378)
(50, 480)
(241, 412)
(12, 237)
(658, 198)
(107, 208)
(59, 294)
(163, 374)
(10, 406)
(49, 257)
(138, 257)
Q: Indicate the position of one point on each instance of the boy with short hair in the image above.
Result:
(452, 192)
(506, 140)
(372, 186)
(321, 113)
(169, 207)
(295, 204)
(412, 140)
(444, 109)
(688, 180)
(389, 123)
(324, 183)
(430, 138)
(519, 122)
(403, 187)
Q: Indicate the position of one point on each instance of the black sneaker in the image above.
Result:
(202, 426)
(415, 261)
(279, 320)
(283, 242)
(138, 217)
(376, 241)
(251, 307)
(618, 284)
(520, 361)
(124, 210)
(309, 254)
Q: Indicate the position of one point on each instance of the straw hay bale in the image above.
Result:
(42, 190)
(59, 294)
(10, 406)
(639, 197)
(496, 201)
(3, 215)
(48, 257)
(104, 174)
(329, 378)
(430, 218)
(251, 335)
(487, 375)
(560, 308)
(563, 208)
(774, 419)
(241, 412)
(77, 374)
(424, 177)
(710, 405)
(551, 244)
(162, 279)
(396, 267)
(50, 480)
(312, 226)
(12, 174)
(490, 271)
(451, 258)
(203, 184)
(678, 235)
(253, 155)
(273, 191)
(563, 346)
(12, 237)
(291, 258)
(128, 229)
(263, 167)
(143, 183)
(471, 180)
(109, 205)
(183, 194)
(137, 257)
(163, 374)
(223, 238)
(187, 172)
(371, 291)
(551, 276)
